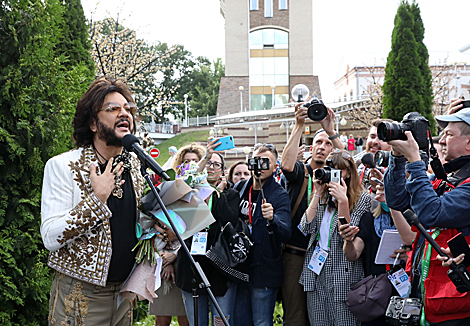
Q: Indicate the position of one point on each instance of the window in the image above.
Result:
(282, 4)
(254, 5)
(268, 8)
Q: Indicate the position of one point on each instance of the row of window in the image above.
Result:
(268, 6)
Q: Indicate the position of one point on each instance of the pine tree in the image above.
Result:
(74, 40)
(403, 83)
(427, 91)
(37, 100)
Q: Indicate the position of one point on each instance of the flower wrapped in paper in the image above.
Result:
(184, 199)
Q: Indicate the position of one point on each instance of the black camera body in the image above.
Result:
(403, 311)
(316, 110)
(327, 174)
(257, 164)
(414, 122)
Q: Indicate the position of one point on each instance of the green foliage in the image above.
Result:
(37, 100)
(204, 94)
(405, 88)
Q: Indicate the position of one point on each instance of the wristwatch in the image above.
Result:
(333, 137)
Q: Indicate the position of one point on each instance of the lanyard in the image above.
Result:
(249, 204)
(210, 203)
(424, 274)
(309, 189)
(331, 226)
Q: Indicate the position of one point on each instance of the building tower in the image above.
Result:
(268, 50)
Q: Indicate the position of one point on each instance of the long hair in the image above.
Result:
(343, 160)
(193, 148)
(90, 105)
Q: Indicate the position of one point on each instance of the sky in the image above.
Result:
(345, 33)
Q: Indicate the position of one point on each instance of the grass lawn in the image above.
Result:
(180, 141)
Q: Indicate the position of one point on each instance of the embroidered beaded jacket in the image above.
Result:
(75, 224)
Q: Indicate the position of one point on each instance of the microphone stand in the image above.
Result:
(196, 268)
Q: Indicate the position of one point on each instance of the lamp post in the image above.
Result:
(273, 87)
(186, 122)
(338, 121)
(247, 151)
(240, 88)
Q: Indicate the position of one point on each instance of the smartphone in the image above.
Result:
(465, 104)
(458, 245)
(335, 176)
(377, 181)
(342, 220)
(225, 144)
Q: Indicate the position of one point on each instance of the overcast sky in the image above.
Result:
(345, 32)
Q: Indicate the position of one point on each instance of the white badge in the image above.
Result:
(199, 244)
(298, 227)
(401, 282)
(318, 260)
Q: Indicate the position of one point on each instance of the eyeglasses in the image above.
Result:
(345, 155)
(270, 146)
(115, 108)
(216, 165)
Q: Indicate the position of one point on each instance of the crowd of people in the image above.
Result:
(311, 239)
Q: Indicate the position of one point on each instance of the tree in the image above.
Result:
(205, 90)
(404, 83)
(37, 99)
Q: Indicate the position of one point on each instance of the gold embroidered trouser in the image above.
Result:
(77, 303)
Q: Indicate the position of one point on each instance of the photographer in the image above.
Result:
(327, 275)
(298, 175)
(269, 220)
(438, 204)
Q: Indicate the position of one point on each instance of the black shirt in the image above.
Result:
(122, 231)
(295, 180)
(371, 245)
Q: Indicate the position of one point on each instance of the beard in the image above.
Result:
(109, 134)
(320, 162)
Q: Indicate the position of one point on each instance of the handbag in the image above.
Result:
(230, 250)
(368, 299)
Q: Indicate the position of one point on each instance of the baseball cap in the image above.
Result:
(460, 116)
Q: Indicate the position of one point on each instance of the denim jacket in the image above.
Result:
(451, 210)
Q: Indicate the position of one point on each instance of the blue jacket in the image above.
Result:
(266, 261)
(451, 210)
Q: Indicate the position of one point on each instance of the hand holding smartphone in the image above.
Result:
(377, 181)
(458, 245)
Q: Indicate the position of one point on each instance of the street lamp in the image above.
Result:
(247, 151)
(240, 88)
(186, 122)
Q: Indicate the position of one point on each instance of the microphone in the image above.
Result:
(131, 143)
(458, 274)
(368, 160)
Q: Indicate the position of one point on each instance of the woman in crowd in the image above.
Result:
(363, 241)
(351, 142)
(224, 208)
(169, 301)
(327, 275)
(238, 171)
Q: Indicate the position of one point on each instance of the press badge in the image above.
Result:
(199, 244)
(401, 282)
(318, 260)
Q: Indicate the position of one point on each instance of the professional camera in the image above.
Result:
(327, 174)
(257, 164)
(381, 158)
(403, 311)
(316, 110)
(414, 122)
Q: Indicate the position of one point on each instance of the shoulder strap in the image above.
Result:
(301, 193)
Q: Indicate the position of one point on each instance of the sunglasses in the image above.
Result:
(115, 108)
(216, 165)
(270, 146)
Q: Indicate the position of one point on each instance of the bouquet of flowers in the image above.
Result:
(184, 198)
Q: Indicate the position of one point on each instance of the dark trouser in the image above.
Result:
(455, 322)
(294, 301)
(76, 303)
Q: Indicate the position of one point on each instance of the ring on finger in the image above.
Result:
(115, 172)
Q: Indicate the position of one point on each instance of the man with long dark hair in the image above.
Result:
(89, 208)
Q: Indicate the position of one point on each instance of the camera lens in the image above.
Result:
(323, 175)
(316, 110)
(381, 158)
(387, 131)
